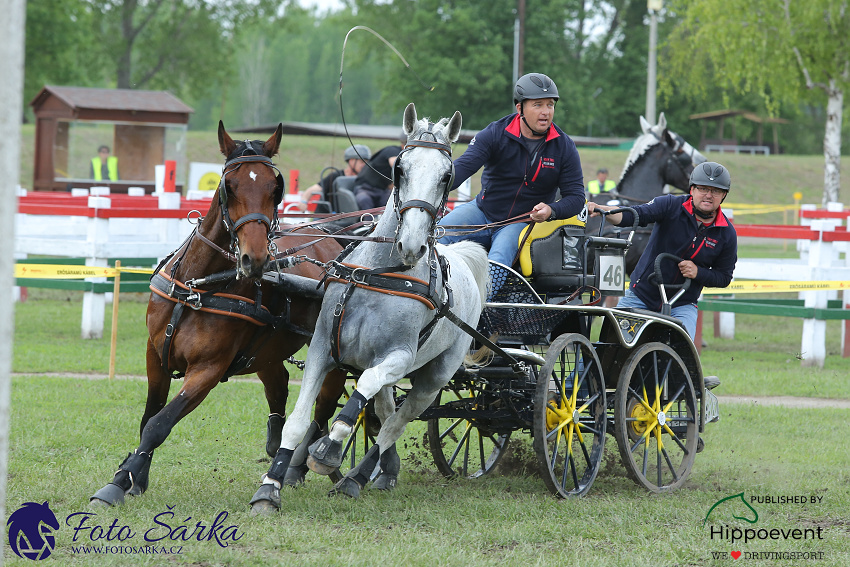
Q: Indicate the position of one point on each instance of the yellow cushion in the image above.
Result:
(541, 230)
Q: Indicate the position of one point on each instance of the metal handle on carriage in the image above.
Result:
(656, 277)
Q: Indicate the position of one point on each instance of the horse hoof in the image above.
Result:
(266, 500)
(263, 508)
(109, 495)
(385, 481)
(320, 468)
(325, 456)
(346, 487)
(295, 475)
(136, 490)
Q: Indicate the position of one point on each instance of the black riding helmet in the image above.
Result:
(534, 86)
(711, 174)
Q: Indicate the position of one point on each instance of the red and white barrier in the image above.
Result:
(821, 242)
(99, 226)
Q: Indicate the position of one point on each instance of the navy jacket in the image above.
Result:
(512, 183)
(714, 249)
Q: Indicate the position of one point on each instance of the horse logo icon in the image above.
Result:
(31, 530)
(733, 510)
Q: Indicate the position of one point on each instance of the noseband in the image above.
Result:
(446, 182)
(271, 224)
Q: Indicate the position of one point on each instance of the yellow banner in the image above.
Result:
(64, 272)
(764, 286)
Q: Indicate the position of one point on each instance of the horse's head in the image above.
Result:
(422, 175)
(251, 188)
(679, 156)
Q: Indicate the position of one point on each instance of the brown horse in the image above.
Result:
(236, 323)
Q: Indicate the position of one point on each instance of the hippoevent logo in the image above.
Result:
(33, 528)
(740, 507)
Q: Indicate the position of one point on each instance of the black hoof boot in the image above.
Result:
(357, 477)
(266, 500)
(295, 475)
(109, 495)
(390, 467)
(274, 429)
(346, 487)
(325, 456)
(297, 470)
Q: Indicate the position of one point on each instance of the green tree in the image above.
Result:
(59, 50)
(786, 51)
(180, 45)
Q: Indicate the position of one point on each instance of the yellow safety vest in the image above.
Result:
(111, 166)
(593, 186)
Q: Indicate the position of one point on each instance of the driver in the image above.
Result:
(692, 227)
(526, 159)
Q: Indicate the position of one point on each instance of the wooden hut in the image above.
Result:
(141, 128)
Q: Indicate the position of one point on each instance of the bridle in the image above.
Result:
(445, 183)
(232, 165)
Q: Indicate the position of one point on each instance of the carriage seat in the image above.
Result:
(552, 256)
(342, 194)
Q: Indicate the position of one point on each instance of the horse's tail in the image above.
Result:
(482, 356)
(474, 255)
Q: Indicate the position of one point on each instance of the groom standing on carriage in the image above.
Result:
(526, 160)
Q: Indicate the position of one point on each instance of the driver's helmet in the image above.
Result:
(357, 151)
(534, 86)
(711, 174)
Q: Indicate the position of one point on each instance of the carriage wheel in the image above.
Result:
(362, 437)
(459, 446)
(655, 418)
(569, 416)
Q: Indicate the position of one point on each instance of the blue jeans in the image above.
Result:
(502, 242)
(687, 314)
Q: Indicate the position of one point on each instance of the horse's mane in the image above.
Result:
(640, 149)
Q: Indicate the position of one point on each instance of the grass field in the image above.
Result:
(68, 435)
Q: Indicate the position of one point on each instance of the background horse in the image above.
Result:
(658, 157)
(391, 328)
(235, 323)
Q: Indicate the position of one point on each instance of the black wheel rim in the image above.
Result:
(460, 447)
(570, 416)
(655, 409)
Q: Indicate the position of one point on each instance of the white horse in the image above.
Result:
(405, 290)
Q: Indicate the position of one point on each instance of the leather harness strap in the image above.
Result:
(225, 304)
(385, 280)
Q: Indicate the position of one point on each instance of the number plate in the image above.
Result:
(612, 273)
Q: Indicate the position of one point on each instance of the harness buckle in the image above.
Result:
(354, 276)
(338, 308)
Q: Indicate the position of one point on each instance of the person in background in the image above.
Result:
(355, 158)
(601, 184)
(374, 182)
(527, 159)
(104, 167)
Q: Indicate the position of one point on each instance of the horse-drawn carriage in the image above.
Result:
(543, 365)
